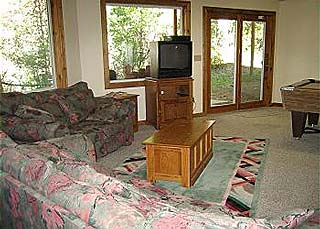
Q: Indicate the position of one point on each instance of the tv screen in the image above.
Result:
(174, 56)
(170, 59)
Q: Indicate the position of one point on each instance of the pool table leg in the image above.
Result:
(298, 123)
(313, 119)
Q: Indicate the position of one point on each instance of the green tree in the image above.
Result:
(129, 28)
(247, 33)
(27, 44)
(216, 39)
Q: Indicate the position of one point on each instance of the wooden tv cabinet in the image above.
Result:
(168, 100)
(180, 151)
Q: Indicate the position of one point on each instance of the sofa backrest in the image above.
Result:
(72, 104)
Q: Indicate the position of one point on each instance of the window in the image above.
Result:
(127, 31)
(32, 45)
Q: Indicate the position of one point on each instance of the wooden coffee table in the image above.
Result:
(180, 151)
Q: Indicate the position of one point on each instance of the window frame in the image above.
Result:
(57, 28)
(57, 46)
(186, 15)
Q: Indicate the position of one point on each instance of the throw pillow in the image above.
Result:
(8, 101)
(77, 106)
(104, 113)
(51, 105)
(28, 112)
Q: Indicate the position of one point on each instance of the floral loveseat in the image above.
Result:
(36, 116)
(43, 186)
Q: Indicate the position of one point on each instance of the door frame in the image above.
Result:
(270, 18)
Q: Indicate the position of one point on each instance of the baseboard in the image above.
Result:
(142, 122)
(276, 105)
(197, 115)
(201, 114)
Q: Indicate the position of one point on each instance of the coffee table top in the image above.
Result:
(180, 133)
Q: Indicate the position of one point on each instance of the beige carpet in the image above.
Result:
(291, 174)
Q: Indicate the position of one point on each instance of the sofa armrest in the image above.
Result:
(32, 209)
(5, 140)
(126, 109)
(76, 147)
(110, 109)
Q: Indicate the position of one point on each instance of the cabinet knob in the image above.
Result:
(162, 92)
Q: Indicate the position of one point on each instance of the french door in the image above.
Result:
(238, 58)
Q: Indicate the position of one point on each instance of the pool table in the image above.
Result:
(303, 100)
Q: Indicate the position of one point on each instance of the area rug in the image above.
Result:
(228, 180)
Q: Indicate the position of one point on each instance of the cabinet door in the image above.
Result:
(175, 109)
(168, 111)
(182, 109)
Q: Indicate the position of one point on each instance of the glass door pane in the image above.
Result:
(252, 60)
(223, 61)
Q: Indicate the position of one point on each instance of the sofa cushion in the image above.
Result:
(77, 106)
(48, 101)
(107, 122)
(53, 108)
(5, 140)
(76, 147)
(70, 104)
(9, 102)
(28, 112)
(45, 96)
(110, 109)
(106, 136)
(107, 112)
(28, 130)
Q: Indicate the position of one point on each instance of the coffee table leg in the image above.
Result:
(186, 176)
(313, 119)
(150, 163)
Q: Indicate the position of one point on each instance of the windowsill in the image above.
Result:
(127, 80)
(126, 83)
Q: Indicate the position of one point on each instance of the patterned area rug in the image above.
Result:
(228, 180)
(240, 193)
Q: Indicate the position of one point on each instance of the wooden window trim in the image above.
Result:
(58, 43)
(186, 6)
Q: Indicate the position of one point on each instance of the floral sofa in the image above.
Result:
(54, 184)
(74, 110)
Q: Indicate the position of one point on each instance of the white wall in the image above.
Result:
(296, 54)
(87, 57)
(297, 43)
(72, 41)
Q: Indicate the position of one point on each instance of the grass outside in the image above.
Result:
(222, 83)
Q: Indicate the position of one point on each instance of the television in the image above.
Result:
(170, 59)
